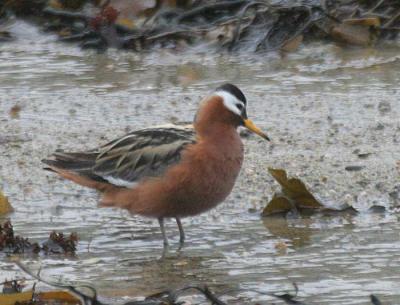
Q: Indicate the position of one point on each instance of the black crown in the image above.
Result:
(235, 91)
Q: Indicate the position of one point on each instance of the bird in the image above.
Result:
(171, 171)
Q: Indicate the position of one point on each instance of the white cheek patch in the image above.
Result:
(230, 101)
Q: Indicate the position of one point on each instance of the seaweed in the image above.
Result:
(57, 243)
(250, 25)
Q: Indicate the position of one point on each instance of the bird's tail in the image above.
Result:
(76, 162)
(77, 167)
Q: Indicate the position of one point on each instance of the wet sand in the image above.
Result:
(325, 108)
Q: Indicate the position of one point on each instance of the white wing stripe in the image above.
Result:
(120, 182)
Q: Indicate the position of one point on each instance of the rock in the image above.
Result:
(352, 34)
(354, 168)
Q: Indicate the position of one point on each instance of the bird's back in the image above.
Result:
(125, 161)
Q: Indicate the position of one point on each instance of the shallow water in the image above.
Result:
(321, 106)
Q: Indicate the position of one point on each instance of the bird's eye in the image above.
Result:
(240, 106)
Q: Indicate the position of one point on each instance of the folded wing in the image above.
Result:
(126, 160)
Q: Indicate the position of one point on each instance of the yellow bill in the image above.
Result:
(250, 126)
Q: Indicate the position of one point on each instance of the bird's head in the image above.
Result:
(235, 102)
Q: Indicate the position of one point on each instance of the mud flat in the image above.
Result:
(332, 113)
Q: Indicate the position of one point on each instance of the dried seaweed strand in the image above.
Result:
(391, 20)
(236, 33)
(210, 7)
(298, 32)
(85, 299)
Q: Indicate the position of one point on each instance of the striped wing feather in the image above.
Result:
(125, 161)
(144, 153)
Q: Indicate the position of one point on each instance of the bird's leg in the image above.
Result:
(181, 232)
(161, 222)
